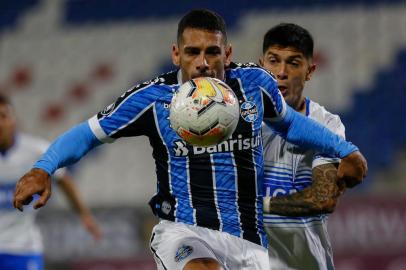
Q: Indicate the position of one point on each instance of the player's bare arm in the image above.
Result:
(36, 181)
(319, 198)
(68, 186)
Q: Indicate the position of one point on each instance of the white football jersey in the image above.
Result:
(297, 242)
(18, 232)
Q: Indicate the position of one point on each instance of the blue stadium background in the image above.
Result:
(62, 61)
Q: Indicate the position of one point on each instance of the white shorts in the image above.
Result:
(299, 248)
(175, 244)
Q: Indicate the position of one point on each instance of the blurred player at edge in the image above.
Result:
(20, 240)
(209, 201)
(301, 185)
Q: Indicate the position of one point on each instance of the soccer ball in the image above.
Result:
(204, 111)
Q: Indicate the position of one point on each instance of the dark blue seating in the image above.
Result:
(377, 121)
(10, 12)
(88, 11)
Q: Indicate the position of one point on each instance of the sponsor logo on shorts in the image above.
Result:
(183, 252)
(249, 111)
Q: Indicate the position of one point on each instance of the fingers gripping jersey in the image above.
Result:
(218, 187)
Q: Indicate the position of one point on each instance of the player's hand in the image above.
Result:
(36, 181)
(352, 169)
(91, 226)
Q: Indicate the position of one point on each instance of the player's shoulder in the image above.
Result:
(249, 70)
(249, 65)
(323, 116)
(246, 67)
(151, 90)
(162, 81)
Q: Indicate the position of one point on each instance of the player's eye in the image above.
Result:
(295, 62)
(192, 51)
(213, 51)
(272, 60)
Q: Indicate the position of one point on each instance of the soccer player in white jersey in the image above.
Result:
(209, 201)
(20, 240)
(301, 185)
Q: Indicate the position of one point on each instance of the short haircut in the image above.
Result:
(289, 35)
(4, 100)
(202, 19)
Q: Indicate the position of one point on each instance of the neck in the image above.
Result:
(301, 106)
(6, 145)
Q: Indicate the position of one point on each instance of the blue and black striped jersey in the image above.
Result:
(217, 187)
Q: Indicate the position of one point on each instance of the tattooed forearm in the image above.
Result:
(319, 198)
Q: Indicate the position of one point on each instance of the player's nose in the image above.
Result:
(202, 62)
(282, 72)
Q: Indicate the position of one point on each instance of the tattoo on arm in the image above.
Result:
(319, 198)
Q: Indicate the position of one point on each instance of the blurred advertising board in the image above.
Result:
(369, 233)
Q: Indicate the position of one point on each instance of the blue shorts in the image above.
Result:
(21, 262)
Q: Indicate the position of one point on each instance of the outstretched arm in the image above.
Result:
(65, 150)
(69, 187)
(304, 132)
(319, 198)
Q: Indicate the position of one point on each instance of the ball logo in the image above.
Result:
(249, 111)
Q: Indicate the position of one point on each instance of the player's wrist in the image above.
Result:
(346, 148)
(44, 166)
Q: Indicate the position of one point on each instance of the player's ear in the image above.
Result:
(229, 52)
(261, 61)
(310, 71)
(175, 55)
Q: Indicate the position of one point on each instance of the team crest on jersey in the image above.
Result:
(108, 109)
(183, 252)
(249, 111)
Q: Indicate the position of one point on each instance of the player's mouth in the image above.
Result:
(204, 74)
(283, 89)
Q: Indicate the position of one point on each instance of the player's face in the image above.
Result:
(291, 69)
(7, 126)
(201, 53)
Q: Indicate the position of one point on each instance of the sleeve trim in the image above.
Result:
(98, 130)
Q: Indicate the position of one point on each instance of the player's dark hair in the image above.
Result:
(289, 35)
(4, 100)
(202, 19)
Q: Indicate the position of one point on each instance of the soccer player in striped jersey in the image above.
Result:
(209, 199)
(20, 240)
(301, 185)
